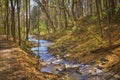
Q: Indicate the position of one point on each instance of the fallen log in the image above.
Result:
(105, 49)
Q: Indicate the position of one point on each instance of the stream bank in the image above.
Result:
(15, 64)
(68, 69)
(84, 48)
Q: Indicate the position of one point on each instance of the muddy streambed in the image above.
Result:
(70, 70)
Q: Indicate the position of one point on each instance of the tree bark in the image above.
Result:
(18, 12)
(7, 20)
(13, 28)
(99, 20)
(27, 21)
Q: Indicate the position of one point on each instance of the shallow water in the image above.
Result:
(71, 70)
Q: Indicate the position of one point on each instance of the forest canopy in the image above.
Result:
(19, 18)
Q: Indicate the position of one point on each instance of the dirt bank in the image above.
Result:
(15, 64)
(84, 48)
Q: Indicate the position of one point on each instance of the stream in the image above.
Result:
(71, 70)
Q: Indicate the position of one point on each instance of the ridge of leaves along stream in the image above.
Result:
(71, 70)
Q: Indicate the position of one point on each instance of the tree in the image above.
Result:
(7, 18)
(99, 20)
(48, 16)
(13, 28)
(18, 12)
(27, 22)
(109, 21)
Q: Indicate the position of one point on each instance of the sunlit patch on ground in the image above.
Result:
(15, 64)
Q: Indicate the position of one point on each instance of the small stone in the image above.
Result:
(104, 60)
(99, 67)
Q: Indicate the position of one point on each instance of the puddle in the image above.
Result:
(71, 70)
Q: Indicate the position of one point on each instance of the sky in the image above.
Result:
(33, 3)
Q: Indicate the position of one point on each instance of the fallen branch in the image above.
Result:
(112, 75)
(105, 49)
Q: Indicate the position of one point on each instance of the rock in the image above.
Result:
(67, 66)
(92, 62)
(104, 60)
(99, 67)
(59, 69)
(66, 55)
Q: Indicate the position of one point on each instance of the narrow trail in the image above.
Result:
(15, 64)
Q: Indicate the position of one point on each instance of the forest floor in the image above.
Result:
(15, 64)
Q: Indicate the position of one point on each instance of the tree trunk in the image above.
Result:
(13, 28)
(48, 16)
(27, 23)
(7, 20)
(64, 14)
(18, 12)
(109, 21)
(99, 20)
